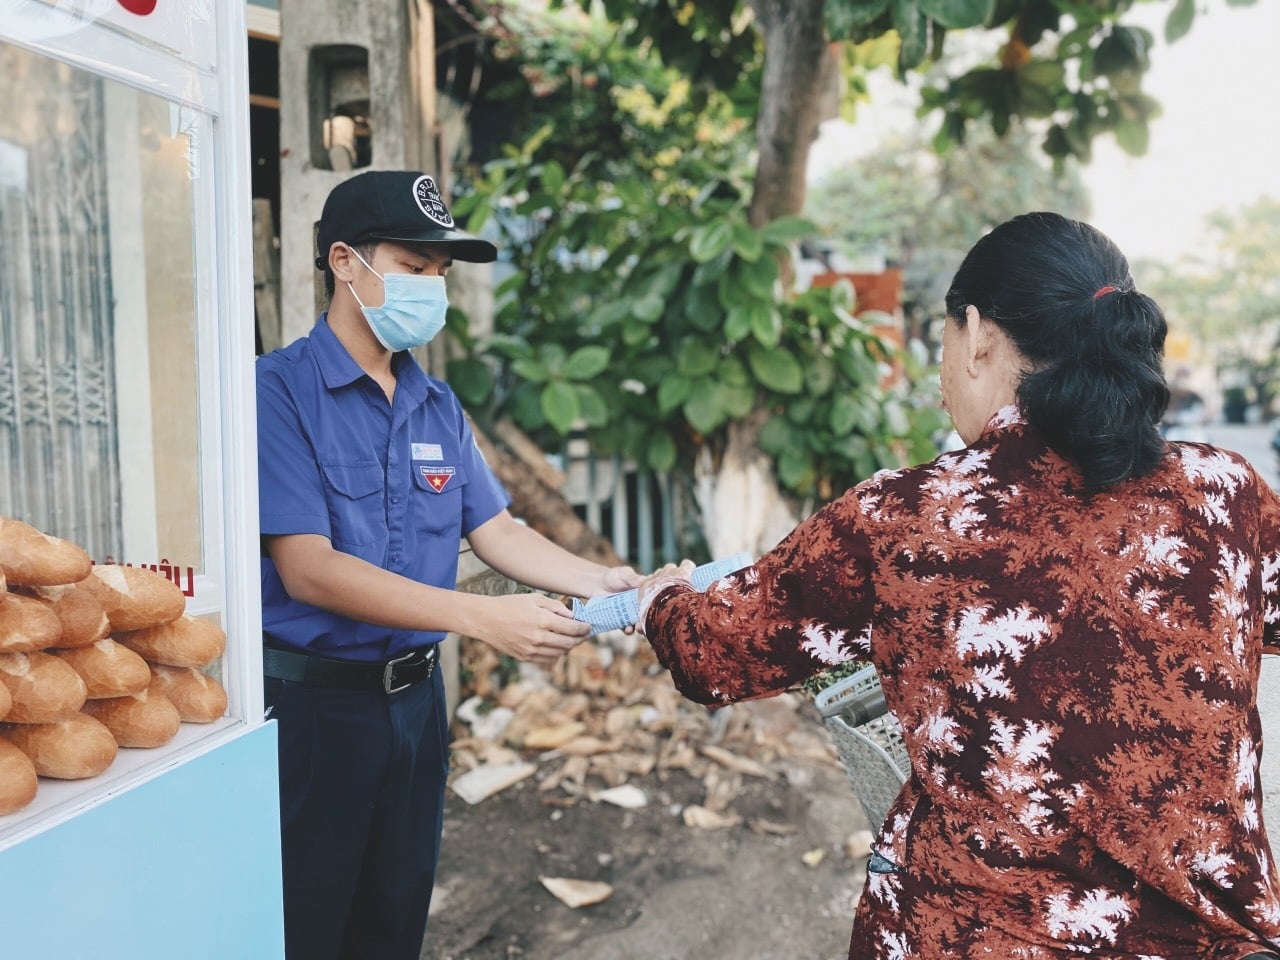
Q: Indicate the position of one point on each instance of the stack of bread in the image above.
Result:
(91, 659)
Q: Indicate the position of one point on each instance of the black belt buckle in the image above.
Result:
(391, 683)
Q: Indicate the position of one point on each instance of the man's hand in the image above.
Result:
(530, 627)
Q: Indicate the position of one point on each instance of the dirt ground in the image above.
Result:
(781, 883)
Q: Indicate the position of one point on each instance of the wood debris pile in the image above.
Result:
(607, 714)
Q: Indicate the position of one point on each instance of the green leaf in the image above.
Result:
(1178, 25)
(661, 455)
(560, 406)
(696, 358)
(844, 415)
(766, 325)
(710, 271)
(795, 470)
(702, 307)
(553, 357)
(821, 375)
(776, 369)
(737, 325)
(471, 380)
(526, 407)
(506, 345)
(1133, 136)
(913, 29)
(896, 421)
(702, 409)
(776, 435)
(787, 230)
(844, 17)
(747, 242)
(635, 334)
(957, 14)
(648, 308)
(586, 362)
(594, 410)
(608, 313)
(710, 240)
(552, 177)
(672, 391)
(758, 278)
(529, 369)
(737, 400)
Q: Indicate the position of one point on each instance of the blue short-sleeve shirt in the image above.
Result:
(397, 484)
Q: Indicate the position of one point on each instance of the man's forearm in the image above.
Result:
(347, 585)
(527, 557)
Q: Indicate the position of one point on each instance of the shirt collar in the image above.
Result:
(339, 368)
(1005, 420)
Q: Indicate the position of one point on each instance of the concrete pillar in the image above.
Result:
(398, 37)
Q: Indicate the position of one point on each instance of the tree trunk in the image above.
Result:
(544, 508)
(738, 498)
(799, 65)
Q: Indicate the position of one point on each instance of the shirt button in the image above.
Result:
(395, 499)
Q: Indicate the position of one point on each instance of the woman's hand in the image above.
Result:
(618, 579)
(658, 581)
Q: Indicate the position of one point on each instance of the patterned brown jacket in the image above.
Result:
(1076, 679)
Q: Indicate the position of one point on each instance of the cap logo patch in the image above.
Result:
(427, 196)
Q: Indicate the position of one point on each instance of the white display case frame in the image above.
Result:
(202, 68)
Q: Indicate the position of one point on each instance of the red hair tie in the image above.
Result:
(1103, 291)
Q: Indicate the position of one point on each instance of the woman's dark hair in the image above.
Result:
(1062, 292)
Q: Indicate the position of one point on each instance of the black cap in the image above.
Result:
(397, 205)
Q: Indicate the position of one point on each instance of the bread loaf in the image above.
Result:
(71, 749)
(186, 642)
(34, 559)
(17, 778)
(134, 597)
(199, 698)
(107, 669)
(82, 619)
(27, 624)
(43, 688)
(146, 719)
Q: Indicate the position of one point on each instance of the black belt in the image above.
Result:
(390, 676)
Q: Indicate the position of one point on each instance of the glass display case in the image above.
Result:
(126, 387)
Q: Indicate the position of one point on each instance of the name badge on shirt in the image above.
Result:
(437, 477)
(426, 451)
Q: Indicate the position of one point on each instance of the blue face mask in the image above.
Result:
(412, 312)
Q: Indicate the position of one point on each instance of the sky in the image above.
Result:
(1216, 145)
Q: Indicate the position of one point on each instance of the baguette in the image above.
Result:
(30, 558)
(134, 597)
(147, 719)
(185, 642)
(17, 778)
(81, 616)
(43, 688)
(27, 624)
(71, 749)
(199, 698)
(107, 669)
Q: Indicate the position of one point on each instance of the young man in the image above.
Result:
(369, 477)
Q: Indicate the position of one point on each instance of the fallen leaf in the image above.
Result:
(704, 819)
(552, 738)
(475, 785)
(813, 857)
(576, 893)
(772, 828)
(627, 796)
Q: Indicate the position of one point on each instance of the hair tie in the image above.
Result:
(1103, 291)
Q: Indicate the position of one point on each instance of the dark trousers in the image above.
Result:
(361, 809)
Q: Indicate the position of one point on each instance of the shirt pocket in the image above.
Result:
(437, 499)
(357, 517)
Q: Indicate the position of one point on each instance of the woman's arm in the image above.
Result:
(804, 606)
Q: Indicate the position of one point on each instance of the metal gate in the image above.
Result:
(58, 463)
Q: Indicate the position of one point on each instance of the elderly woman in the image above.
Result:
(1067, 617)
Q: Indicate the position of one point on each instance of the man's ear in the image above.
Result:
(342, 262)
